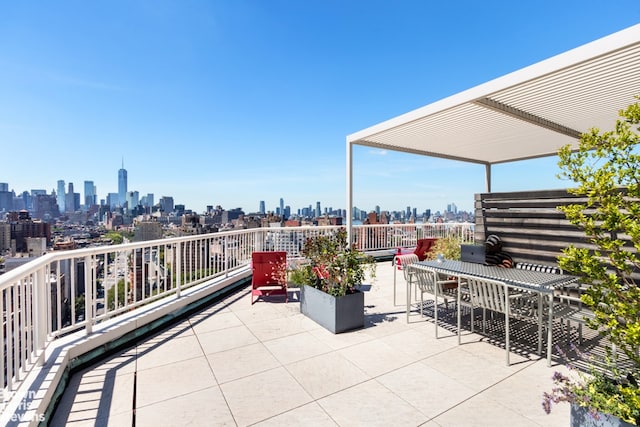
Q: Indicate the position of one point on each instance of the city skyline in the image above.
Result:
(91, 196)
(230, 103)
(90, 192)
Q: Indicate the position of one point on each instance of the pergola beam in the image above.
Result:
(499, 107)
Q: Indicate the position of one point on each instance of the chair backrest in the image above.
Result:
(402, 261)
(426, 281)
(490, 294)
(269, 268)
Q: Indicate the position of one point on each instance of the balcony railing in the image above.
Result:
(62, 293)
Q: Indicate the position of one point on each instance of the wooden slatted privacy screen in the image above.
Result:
(529, 223)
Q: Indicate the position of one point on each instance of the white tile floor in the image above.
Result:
(237, 364)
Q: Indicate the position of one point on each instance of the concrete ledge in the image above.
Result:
(36, 398)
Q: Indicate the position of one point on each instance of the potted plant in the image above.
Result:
(330, 294)
(606, 168)
(448, 246)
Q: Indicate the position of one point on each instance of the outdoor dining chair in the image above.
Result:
(428, 281)
(490, 295)
(401, 262)
(568, 307)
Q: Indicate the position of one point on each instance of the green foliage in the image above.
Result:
(79, 305)
(448, 246)
(605, 389)
(606, 169)
(301, 275)
(334, 267)
(111, 295)
(115, 237)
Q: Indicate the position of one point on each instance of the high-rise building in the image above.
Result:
(318, 211)
(6, 199)
(166, 204)
(70, 199)
(61, 196)
(113, 200)
(89, 194)
(281, 206)
(122, 185)
(262, 207)
(133, 199)
(45, 206)
(4, 186)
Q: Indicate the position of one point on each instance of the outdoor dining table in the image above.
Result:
(541, 283)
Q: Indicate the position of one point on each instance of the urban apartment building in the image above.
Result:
(22, 227)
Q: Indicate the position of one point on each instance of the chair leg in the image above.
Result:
(394, 284)
(435, 312)
(580, 333)
(484, 320)
(506, 332)
(458, 305)
(473, 320)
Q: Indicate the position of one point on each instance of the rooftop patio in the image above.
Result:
(237, 364)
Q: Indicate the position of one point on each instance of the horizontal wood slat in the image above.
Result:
(531, 227)
(529, 223)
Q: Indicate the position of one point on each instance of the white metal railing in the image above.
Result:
(377, 237)
(67, 291)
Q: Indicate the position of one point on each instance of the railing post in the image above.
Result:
(88, 295)
(40, 314)
(178, 268)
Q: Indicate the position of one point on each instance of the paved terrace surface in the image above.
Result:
(236, 364)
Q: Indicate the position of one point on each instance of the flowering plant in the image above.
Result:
(334, 267)
(605, 389)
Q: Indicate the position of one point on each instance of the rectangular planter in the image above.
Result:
(580, 417)
(335, 314)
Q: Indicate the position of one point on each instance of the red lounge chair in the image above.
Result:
(269, 274)
(423, 246)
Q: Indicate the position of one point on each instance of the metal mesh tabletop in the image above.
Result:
(535, 280)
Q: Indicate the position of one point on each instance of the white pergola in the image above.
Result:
(525, 114)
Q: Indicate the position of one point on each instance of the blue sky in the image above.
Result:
(232, 102)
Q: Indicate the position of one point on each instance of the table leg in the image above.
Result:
(540, 311)
(435, 300)
(408, 296)
(550, 330)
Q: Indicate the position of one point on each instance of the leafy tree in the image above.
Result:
(111, 295)
(448, 246)
(606, 170)
(115, 237)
